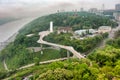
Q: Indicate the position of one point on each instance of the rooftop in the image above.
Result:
(64, 28)
(104, 27)
(84, 31)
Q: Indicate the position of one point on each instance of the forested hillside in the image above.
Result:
(16, 54)
(77, 20)
(101, 64)
(82, 46)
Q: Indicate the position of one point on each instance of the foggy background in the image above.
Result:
(27, 10)
(32, 8)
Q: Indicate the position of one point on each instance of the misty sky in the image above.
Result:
(18, 7)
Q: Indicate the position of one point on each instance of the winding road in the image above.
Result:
(43, 62)
(112, 33)
(69, 48)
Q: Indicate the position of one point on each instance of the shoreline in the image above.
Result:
(9, 31)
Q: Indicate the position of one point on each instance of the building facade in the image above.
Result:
(93, 10)
(117, 7)
(104, 29)
(64, 30)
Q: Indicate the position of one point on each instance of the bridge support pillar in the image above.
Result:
(41, 49)
(68, 54)
(41, 46)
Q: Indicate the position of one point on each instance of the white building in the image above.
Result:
(80, 32)
(64, 30)
(104, 29)
(85, 31)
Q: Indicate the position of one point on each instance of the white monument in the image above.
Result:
(51, 26)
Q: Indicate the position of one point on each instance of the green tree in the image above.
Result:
(36, 61)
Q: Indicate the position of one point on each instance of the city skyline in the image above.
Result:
(19, 7)
(109, 3)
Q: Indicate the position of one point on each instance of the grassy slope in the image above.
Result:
(81, 69)
(48, 54)
(1, 66)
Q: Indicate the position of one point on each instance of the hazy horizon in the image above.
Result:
(27, 8)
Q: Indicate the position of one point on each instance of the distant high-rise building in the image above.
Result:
(58, 11)
(103, 7)
(93, 10)
(117, 7)
(81, 9)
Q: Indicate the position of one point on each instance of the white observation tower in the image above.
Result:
(51, 26)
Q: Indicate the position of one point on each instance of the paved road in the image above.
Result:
(42, 35)
(44, 62)
(69, 48)
(111, 34)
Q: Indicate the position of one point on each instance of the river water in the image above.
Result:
(8, 29)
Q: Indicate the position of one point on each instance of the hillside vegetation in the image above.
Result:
(101, 64)
(77, 20)
(82, 46)
(16, 53)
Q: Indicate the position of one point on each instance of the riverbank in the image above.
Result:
(9, 30)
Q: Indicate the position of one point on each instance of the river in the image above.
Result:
(8, 29)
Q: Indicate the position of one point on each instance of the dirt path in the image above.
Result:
(5, 65)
